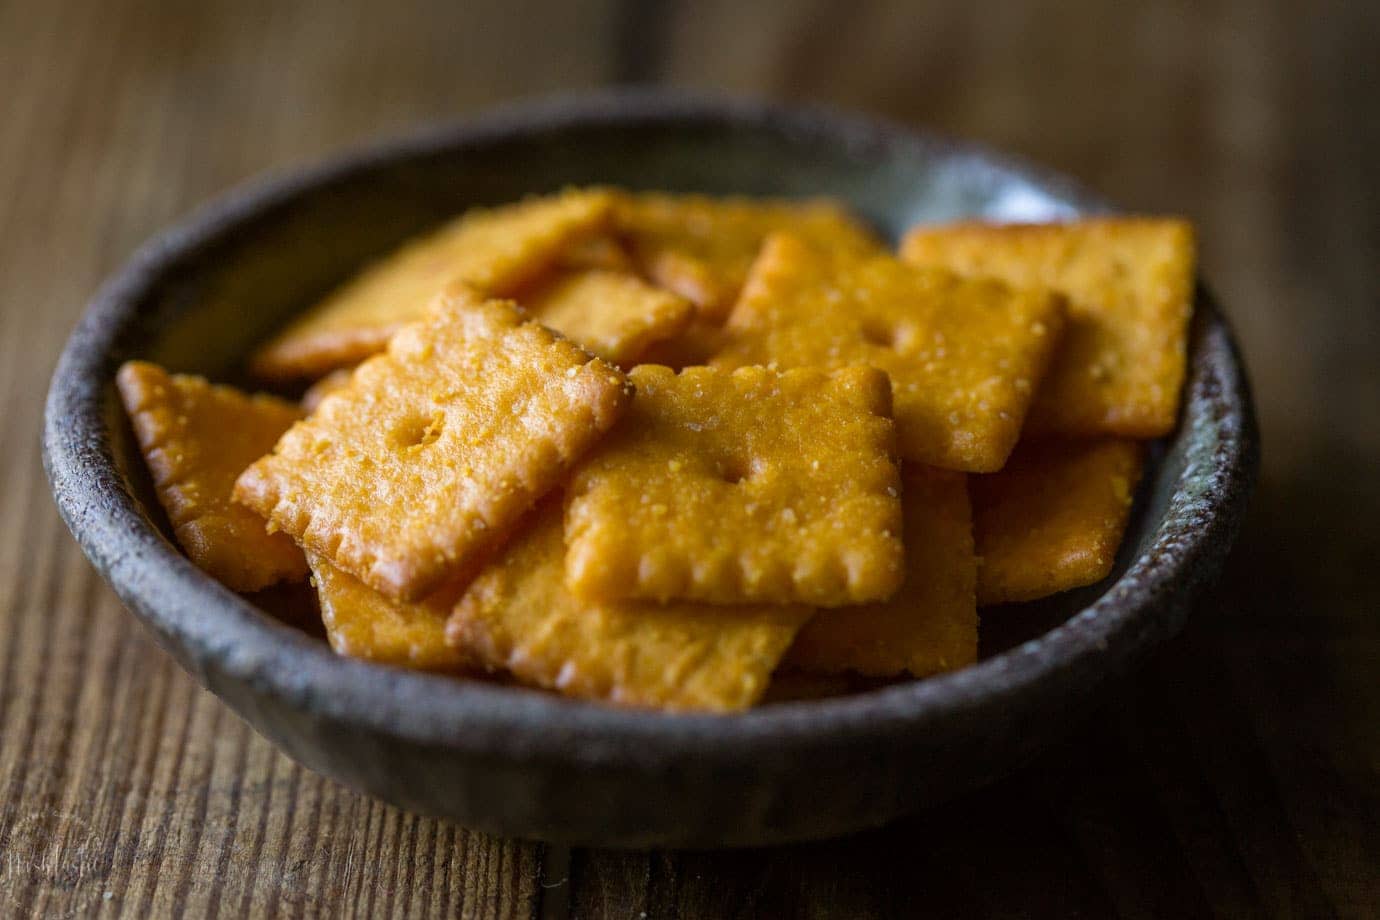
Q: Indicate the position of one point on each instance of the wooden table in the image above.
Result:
(1235, 776)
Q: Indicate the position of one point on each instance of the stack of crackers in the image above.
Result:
(664, 450)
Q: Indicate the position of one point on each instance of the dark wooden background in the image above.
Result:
(1238, 775)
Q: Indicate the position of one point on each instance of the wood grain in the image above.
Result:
(1235, 776)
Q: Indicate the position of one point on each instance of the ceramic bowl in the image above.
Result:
(525, 763)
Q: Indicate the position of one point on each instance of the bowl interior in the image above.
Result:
(258, 257)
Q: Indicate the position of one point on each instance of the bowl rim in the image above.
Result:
(172, 596)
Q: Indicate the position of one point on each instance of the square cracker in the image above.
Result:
(702, 247)
(495, 250)
(362, 623)
(1054, 518)
(614, 315)
(1129, 283)
(196, 439)
(417, 468)
(518, 615)
(964, 355)
(743, 487)
(931, 624)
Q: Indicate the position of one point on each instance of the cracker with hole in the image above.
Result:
(931, 624)
(1129, 282)
(362, 623)
(417, 469)
(742, 487)
(1053, 519)
(702, 247)
(497, 251)
(964, 355)
(614, 315)
(519, 616)
(196, 439)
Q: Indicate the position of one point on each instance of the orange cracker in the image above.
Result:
(1129, 283)
(496, 250)
(362, 623)
(335, 380)
(518, 615)
(413, 472)
(1054, 518)
(964, 355)
(702, 247)
(614, 315)
(931, 624)
(196, 438)
(742, 487)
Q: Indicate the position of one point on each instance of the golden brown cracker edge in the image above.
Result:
(420, 466)
(518, 616)
(720, 488)
(362, 623)
(931, 624)
(196, 438)
(1054, 519)
(964, 356)
(498, 251)
(1129, 282)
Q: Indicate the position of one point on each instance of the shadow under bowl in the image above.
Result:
(519, 762)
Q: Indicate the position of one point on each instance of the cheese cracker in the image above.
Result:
(964, 355)
(1129, 283)
(416, 469)
(362, 623)
(614, 315)
(196, 438)
(702, 247)
(931, 624)
(1054, 518)
(497, 251)
(740, 487)
(518, 615)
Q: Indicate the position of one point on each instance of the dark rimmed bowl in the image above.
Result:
(523, 763)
